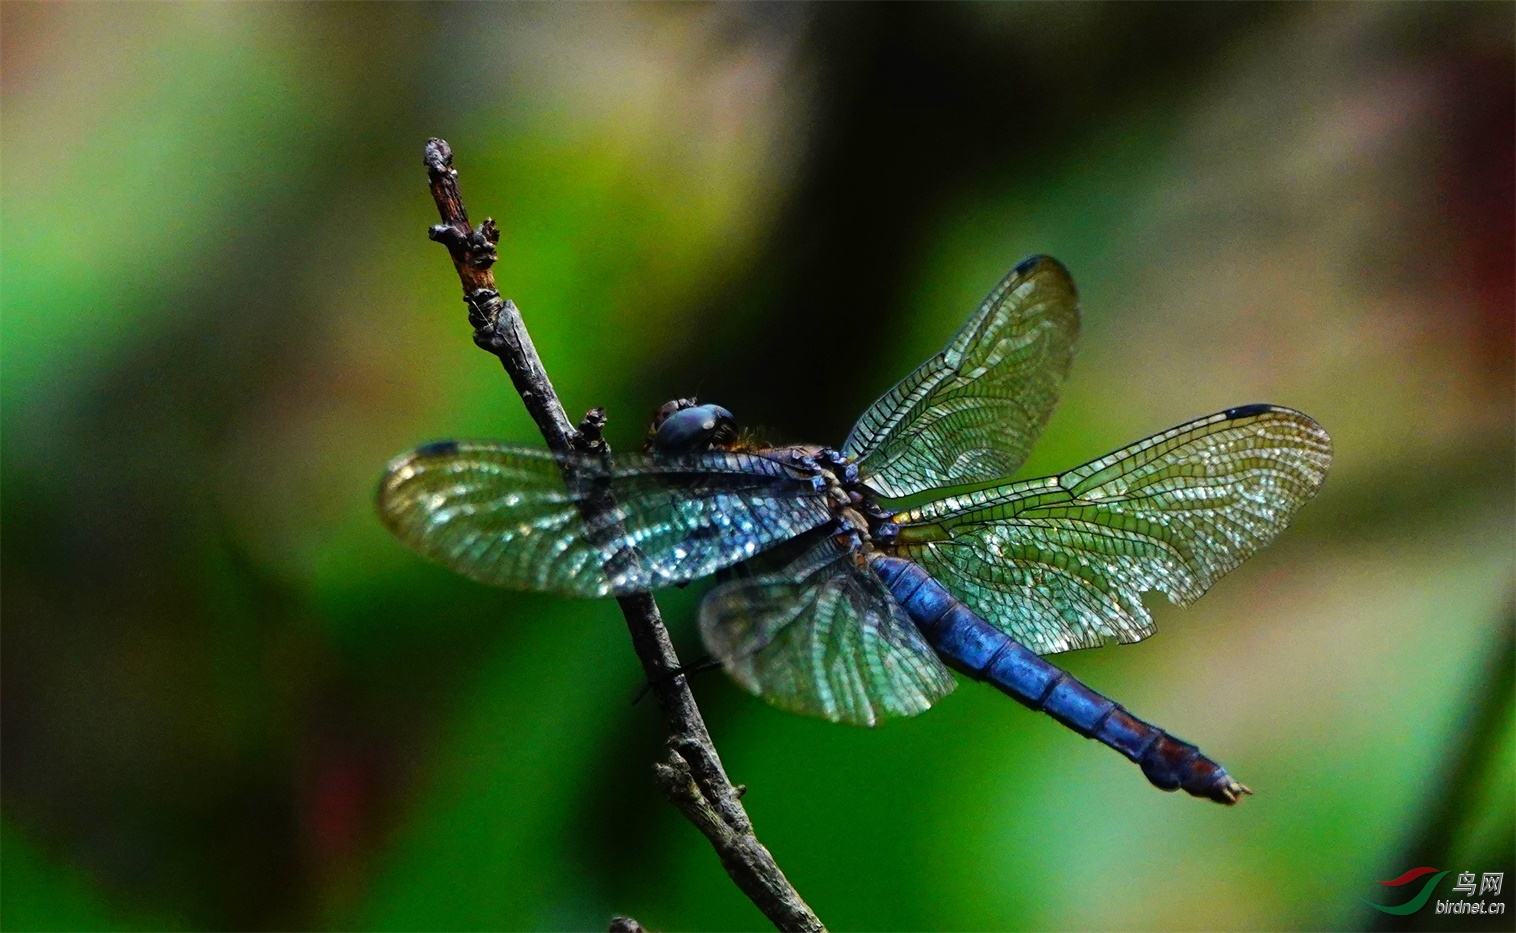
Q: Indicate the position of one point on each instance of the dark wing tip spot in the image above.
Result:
(1026, 265)
(1248, 411)
(437, 449)
(1042, 264)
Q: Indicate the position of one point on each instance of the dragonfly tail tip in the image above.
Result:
(1230, 792)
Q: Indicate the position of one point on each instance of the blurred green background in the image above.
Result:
(232, 701)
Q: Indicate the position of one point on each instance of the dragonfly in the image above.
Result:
(833, 604)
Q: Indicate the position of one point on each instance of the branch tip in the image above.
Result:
(438, 157)
(590, 439)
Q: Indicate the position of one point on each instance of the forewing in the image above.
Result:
(1062, 562)
(505, 516)
(971, 413)
(823, 637)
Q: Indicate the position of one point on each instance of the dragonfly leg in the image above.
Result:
(707, 663)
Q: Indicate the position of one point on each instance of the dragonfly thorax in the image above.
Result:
(857, 511)
(684, 426)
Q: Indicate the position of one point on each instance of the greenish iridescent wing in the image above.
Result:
(824, 637)
(505, 516)
(1062, 562)
(971, 413)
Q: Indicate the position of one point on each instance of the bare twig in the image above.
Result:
(692, 776)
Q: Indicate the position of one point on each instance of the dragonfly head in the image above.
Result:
(682, 427)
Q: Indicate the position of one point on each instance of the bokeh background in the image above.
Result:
(232, 701)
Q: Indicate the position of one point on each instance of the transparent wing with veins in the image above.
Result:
(1062, 562)
(823, 636)
(509, 516)
(971, 413)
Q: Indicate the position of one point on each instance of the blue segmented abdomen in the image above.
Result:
(974, 647)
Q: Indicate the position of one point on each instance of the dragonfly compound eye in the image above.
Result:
(692, 429)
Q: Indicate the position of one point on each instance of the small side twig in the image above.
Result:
(692, 776)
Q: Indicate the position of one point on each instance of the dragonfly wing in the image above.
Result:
(971, 413)
(823, 637)
(506, 516)
(1062, 562)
